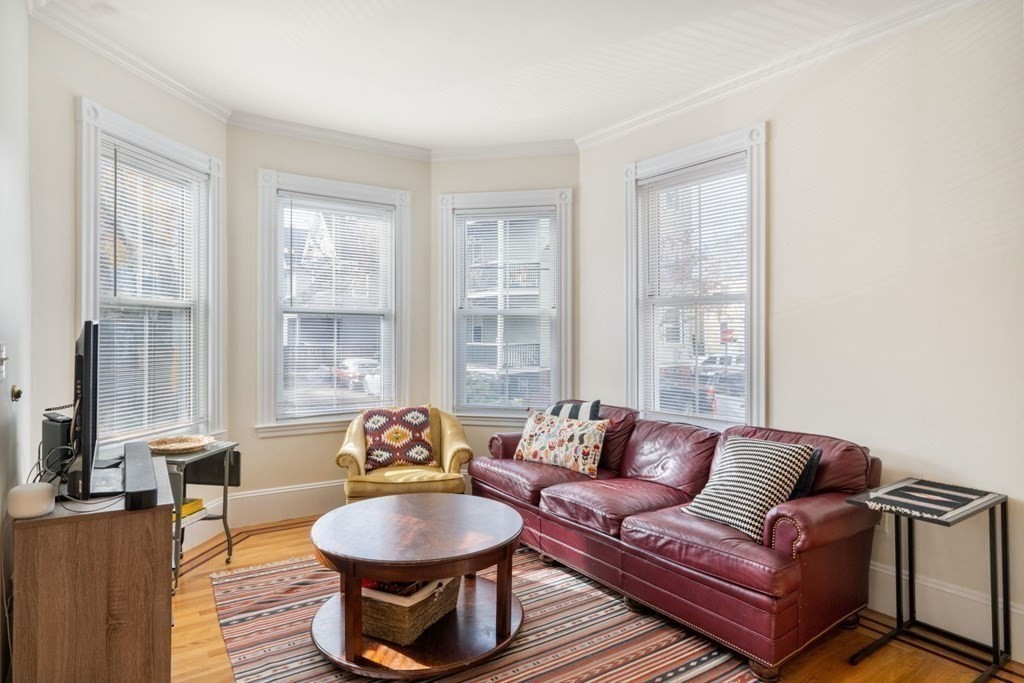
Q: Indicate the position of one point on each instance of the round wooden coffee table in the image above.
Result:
(411, 537)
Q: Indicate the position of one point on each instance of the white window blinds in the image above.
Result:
(335, 305)
(153, 220)
(506, 293)
(694, 290)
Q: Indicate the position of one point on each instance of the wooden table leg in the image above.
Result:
(504, 608)
(353, 589)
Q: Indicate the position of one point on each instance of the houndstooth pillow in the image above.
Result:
(751, 477)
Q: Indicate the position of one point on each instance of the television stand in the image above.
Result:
(92, 599)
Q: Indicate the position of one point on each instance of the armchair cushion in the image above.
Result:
(398, 437)
(407, 479)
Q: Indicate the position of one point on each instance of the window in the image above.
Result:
(696, 231)
(330, 298)
(149, 216)
(507, 284)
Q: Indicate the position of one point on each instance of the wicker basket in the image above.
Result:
(399, 622)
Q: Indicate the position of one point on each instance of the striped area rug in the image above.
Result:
(575, 630)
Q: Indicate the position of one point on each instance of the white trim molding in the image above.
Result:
(561, 199)
(889, 24)
(750, 140)
(94, 122)
(270, 183)
(64, 19)
(301, 131)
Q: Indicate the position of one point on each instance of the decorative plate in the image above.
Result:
(178, 445)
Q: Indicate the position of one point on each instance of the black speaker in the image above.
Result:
(56, 450)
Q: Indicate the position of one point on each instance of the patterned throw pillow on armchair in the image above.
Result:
(397, 437)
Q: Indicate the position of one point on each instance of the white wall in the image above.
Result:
(895, 252)
(490, 175)
(288, 460)
(15, 266)
(60, 69)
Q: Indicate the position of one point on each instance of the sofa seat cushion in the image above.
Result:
(712, 548)
(602, 505)
(525, 480)
(407, 479)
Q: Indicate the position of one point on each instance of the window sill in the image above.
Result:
(298, 428)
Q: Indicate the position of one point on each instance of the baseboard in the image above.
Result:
(260, 506)
(963, 610)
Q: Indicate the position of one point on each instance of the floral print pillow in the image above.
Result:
(563, 442)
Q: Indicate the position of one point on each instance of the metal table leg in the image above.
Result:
(177, 478)
(224, 505)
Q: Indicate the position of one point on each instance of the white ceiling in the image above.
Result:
(456, 73)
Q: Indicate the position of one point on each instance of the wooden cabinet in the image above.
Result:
(92, 592)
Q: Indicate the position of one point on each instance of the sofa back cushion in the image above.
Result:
(844, 466)
(676, 455)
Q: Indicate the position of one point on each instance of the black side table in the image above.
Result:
(216, 465)
(945, 505)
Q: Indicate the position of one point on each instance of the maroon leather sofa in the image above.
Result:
(766, 600)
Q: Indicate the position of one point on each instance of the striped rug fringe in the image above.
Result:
(575, 631)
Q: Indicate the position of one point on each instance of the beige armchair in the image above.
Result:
(448, 440)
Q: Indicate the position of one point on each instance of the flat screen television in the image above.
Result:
(85, 481)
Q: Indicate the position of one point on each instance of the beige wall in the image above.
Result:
(15, 271)
(491, 175)
(287, 460)
(60, 69)
(895, 265)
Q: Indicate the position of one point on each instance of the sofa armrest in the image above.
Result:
(455, 450)
(503, 446)
(797, 526)
(352, 454)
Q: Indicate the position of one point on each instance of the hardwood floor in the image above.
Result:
(198, 654)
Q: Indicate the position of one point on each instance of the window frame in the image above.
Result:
(562, 376)
(94, 123)
(270, 182)
(751, 140)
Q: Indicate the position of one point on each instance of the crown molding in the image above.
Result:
(64, 20)
(849, 39)
(525, 149)
(298, 130)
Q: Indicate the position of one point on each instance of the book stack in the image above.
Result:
(190, 506)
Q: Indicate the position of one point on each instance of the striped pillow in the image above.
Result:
(577, 410)
(750, 478)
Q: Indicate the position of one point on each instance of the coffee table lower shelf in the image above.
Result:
(459, 640)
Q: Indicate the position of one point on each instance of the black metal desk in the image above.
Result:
(914, 504)
(204, 468)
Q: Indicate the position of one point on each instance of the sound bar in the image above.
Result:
(139, 477)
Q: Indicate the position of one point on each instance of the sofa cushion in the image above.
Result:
(844, 466)
(563, 442)
(602, 505)
(676, 455)
(524, 480)
(711, 548)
